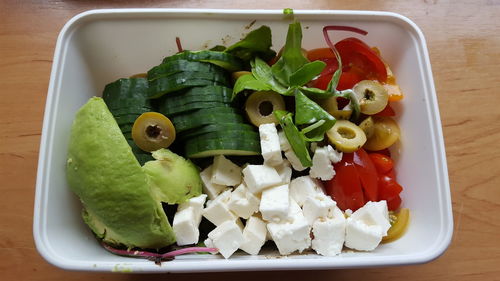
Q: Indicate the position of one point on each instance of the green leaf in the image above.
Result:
(354, 104)
(218, 48)
(315, 93)
(332, 86)
(262, 72)
(305, 132)
(294, 137)
(308, 112)
(292, 58)
(258, 42)
(306, 73)
(248, 82)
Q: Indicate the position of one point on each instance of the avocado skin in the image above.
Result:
(119, 205)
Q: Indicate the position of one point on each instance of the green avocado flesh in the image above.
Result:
(120, 205)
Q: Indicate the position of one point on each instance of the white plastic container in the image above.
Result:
(100, 46)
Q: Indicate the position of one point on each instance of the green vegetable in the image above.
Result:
(263, 72)
(295, 138)
(174, 178)
(199, 147)
(118, 204)
(176, 66)
(249, 82)
(126, 93)
(218, 128)
(292, 58)
(182, 80)
(307, 112)
(206, 116)
(256, 43)
(306, 73)
(222, 59)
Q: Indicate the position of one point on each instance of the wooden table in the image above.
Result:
(464, 45)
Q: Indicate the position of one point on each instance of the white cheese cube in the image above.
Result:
(294, 160)
(270, 144)
(197, 204)
(284, 144)
(254, 235)
(318, 206)
(243, 203)
(362, 237)
(374, 213)
(209, 188)
(217, 210)
(285, 171)
(185, 227)
(292, 234)
(274, 203)
(334, 155)
(329, 234)
(322, 166)
(225, 172)
(226, 237)
(260, 177)
(302, 187)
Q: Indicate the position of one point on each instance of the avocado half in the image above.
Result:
(121, 203)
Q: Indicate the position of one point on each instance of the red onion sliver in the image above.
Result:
(178, 42)
(171, 254)
(345, 28)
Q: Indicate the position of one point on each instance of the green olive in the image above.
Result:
(368, 126)
(152, 131)
(385, 133)
(372, 96)
(260, 106)
(346, 136)
(331, 106)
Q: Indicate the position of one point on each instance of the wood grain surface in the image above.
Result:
(464, 45)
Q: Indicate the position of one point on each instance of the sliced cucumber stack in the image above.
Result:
(225, 60)
(127, 99)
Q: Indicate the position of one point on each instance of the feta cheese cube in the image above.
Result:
(226, 237)
(362, 237)
(217, 210)
(260, 177)
(285, 171)
(270, 144)
(254, 235)
(322, 166)
(185, 227)
(329, 234)
(284, 144)
(374, 213)
(197, 204)
(274, 203)
(334, 155)
(294, 160)
(225, 172)
(302, 187)
(209, 188)
(243, 203)
(366, 226)
(318, 206)
(292, 234)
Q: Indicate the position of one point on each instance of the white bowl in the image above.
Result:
(100, 46)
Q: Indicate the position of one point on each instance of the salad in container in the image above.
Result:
(241, 148)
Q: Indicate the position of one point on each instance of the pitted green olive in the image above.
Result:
(372, 96)
(346, 136)
(368, 126)
(260, 106)
(331, 106)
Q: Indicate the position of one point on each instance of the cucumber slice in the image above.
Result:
(176, 66)
(230, 134)
(126, 119)
(224, 60)
(126, 92)
(183, 80)
(173, 109)
(130, 110)
(201, 94)
(196, 119)
(220, 127)
(199, 147)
